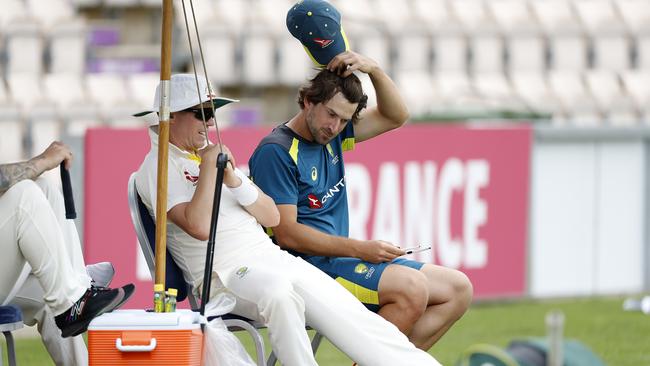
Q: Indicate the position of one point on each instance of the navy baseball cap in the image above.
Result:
(317, 25)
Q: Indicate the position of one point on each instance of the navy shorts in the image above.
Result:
(359, 277)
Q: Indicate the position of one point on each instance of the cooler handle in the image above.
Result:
(148, 348)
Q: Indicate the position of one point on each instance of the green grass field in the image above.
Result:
(619, 338)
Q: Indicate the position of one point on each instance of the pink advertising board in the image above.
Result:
(463, 191)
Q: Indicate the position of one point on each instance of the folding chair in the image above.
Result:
(10, 319)
(145, 229)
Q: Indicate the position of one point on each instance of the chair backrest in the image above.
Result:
(145, 229)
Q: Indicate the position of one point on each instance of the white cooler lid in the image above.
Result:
(133, 319)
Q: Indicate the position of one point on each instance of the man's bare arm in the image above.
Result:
(11, 174)
(391, 111)
(291, 234)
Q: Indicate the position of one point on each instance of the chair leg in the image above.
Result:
(272, 359)
(315, 342)
(255, 335)
(11, 353)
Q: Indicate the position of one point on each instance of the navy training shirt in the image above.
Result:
(292, 170)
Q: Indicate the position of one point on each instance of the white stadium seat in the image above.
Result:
(50, 12)
(11, 142)
(418, 91)
(24, 47)
(511, 15)
(12, 10)
(26, 89)
(533, 89)
(141, 87)
(356, 12)
(64, 89)
(608, 33)
(371, 43)
(294, 67)
(473, 15)
(258, 52)
(110, 93)
(434, 14)
(453, 86)
(272, 13)
(569, 52)
(636, 14)
(203, 13)
(75, 108)
(578, 104)
(413, 52)
(567, 44)
(637, 85)
(68, 47)
(220, 52)
(43, 133)
(525, 45)
(555, 15)
(393, 15)
(611, 98)
(450, 53)
(496, 90)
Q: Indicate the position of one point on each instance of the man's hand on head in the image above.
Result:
(344, 64)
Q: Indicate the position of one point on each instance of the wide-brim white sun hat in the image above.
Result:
(183, 94)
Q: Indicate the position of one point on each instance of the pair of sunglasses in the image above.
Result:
(207, 112)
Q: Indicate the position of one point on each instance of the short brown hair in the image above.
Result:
(326, 84)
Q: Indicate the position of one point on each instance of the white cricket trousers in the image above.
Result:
(284, 292)
(33, 230)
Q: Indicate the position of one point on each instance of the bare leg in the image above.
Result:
(450, 294)
(403, 296)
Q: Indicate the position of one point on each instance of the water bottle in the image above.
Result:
(158, 298)
(170, 300)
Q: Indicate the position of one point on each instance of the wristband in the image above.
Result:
(246, 194)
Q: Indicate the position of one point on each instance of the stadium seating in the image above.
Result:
(565, 58)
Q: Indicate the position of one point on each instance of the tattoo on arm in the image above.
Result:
(11, 174)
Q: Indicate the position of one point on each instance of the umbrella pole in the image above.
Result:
(163, 143)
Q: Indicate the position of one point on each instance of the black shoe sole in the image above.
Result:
(81, 326)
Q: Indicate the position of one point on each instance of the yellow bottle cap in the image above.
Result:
(159, 287)
(172, 291)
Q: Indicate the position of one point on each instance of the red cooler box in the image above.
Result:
(137, 337)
